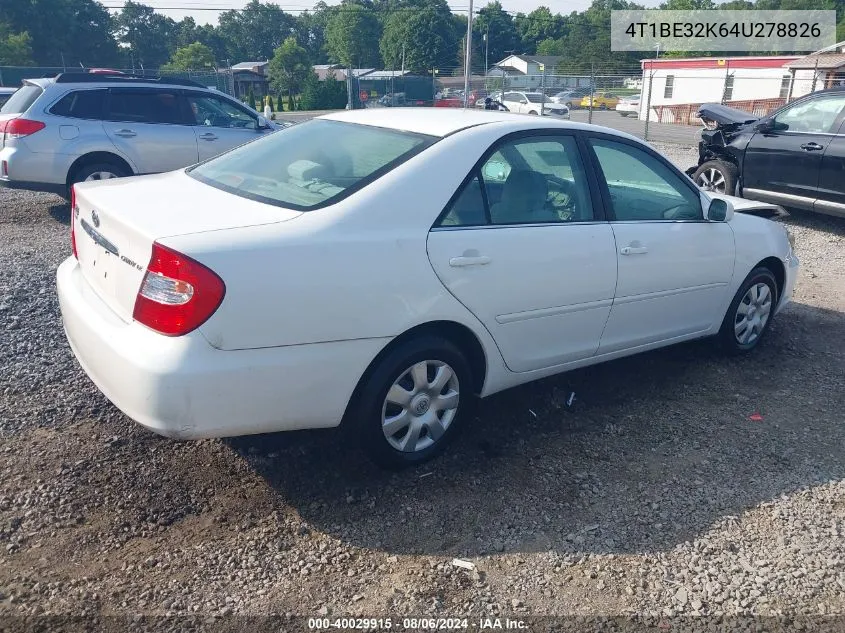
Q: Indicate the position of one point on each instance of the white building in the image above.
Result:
(523, 72)
(754, 84)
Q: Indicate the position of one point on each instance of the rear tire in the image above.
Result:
(750, 314)
(413, 402)
(99, 171)
(716, 175)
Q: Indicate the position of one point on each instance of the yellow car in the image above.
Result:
(601, 101)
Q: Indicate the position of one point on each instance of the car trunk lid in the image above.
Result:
(116, 222)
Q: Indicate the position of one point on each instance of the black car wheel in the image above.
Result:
(716, 175)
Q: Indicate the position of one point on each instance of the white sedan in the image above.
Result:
(381, 268)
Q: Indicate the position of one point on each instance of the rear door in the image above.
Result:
(783, 165)
(831, 195)
(525, 249)
(220, 124)
(150, 126)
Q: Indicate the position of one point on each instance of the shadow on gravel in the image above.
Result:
(816, 221)
(60, 212)
(656, 449)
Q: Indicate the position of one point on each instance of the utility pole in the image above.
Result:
(468, 63)
(64, 66)
(543, 90)
(486, 55)
(433, 85)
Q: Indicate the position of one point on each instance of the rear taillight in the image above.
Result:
(74, 210)
(18, 128)
(178, 294)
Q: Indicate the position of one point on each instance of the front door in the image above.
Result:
(782, 165)
(524, 247)
(831, 194)
(674, 266)
(220, 124)
(149, 126)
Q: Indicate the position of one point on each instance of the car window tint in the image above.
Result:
(467, 209)
(81, 104)
(643, 187)
(814, 115)
(145, 106)
(21, 101)
(311, 164)
(527, 181)
(213, 111)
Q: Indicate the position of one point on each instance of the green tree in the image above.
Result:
(194, 56)
(427, 35)
(537, 26)
(78, 30)
(504, 40)
(352, 36)
(289, 68)
(270, 103)
(15, 48)
(148, 37)
(551, 47)
(253, 33)
(250, 98)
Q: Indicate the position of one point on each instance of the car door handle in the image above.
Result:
(633, 250)
(208, 136)
(811, 147)
(125, 133)
(476, 260)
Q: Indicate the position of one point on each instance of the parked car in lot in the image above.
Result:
(600, 101)
(6, 94)
(533, 103)
(89, 126)
(571, 98)
(794, 157)
(629, 105)
(492, 249)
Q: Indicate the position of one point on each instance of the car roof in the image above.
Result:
(445, 121)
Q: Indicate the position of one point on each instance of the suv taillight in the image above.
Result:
(73, 212)
(18, 128)
(178, 293)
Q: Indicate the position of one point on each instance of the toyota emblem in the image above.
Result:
(95, 218)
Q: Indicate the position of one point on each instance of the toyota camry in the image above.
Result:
(381, 269)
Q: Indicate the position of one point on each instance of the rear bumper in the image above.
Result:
(21, 168)
(183, 387)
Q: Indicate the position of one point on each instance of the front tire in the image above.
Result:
(98, 171)
(716, 175)
(413, 402)
(750, 313)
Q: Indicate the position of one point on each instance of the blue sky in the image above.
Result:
(202, 17)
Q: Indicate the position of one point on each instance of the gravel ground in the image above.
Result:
(654, 494)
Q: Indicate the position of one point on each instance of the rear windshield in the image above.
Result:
(21, 100)
(311, 164)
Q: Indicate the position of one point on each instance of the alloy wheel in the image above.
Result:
(752, 313)
(101, 175)
(420, 406)
(712, 180)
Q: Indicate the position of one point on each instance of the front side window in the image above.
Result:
(145, 106)
(312, 164)
(812, 116)
(81, 104)
(534, 180)
(643, 187)
(213, 111)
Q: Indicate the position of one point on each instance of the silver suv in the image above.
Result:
(80, 126)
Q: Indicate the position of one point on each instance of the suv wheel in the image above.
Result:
(716, 175)
(99, 171)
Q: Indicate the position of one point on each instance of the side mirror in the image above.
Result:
(720, 210)
(262, 124)
(523, 101)
(766, 125)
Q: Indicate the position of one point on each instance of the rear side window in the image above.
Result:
(146, 106)
(81, 104)
(22, 100)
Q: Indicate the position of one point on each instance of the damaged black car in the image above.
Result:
(793, 157)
